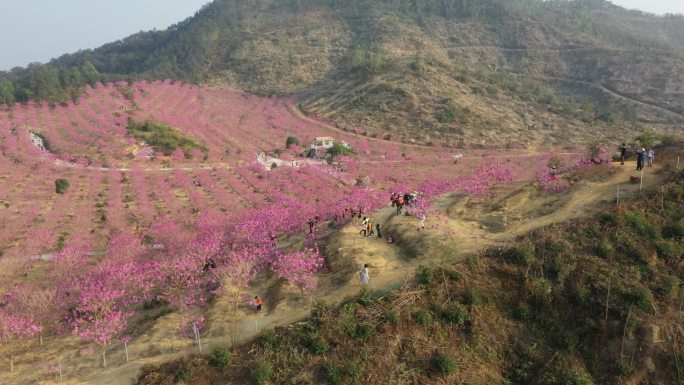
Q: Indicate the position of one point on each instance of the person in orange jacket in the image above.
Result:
(258, 302)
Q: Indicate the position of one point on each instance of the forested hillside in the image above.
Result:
(458, 68)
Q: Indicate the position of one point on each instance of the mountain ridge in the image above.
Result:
(594, 63)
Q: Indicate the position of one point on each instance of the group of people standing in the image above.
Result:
(642, 156)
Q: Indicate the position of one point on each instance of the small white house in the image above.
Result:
(323, 142)
(326, 142)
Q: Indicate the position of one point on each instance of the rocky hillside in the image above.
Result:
(594, 301)
(508, 71)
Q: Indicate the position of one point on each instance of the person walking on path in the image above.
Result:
(400, 204)
(421, 224)
(377, 227)
(649, 156)
(623, 153)
(311, 225)
(363, 276)
(640, 159)
(258, 302)
(364, 227)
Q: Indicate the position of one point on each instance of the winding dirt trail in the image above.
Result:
(520, 208)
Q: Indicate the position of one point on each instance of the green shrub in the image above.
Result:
(219, 358)
(451, 274)
(269, 339)
(641, 225)
(443, 363)
(669, 250)
(261, 372)
(673, 230)
(567, 376)
(291, 140)
(581, 295)
(471, 297)
(425, 276)
(594, 230)
(522, 255)
(610, 218)
(523, 312)
(605, 249)
(541, 289)
(455, 314)
(422, 317)
(61, 185)
(363, 331)
(339, 149)
(523, 372)
(670, 286)
(354, 370)
(332, 374)
(392, 317)
(183, 374)
(161, 137)
(623, 368)
(317, 344)
(642, 297)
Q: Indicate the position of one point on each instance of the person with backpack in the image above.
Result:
(377, 227)
(400, 204)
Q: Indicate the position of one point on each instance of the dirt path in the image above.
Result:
(520, 209)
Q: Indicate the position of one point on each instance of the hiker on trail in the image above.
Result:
(363, 276)
(400, 204)
(311, 225)
(364, 227)
(257, 301)
(552, 173)
(649, 156)
(623, 153)
(407, 199)
(369, 228)
(640, 159)
(377, 227)
(421, 224)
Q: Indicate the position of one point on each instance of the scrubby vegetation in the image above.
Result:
(594, 301)
(161, 137)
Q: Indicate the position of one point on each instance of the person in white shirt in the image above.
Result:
(363, 276)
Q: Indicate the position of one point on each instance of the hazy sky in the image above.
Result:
(39, 30)
(659, 7)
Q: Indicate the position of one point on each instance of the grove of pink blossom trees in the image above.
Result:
(182, 229)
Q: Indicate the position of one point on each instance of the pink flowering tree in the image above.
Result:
(33, 304)
(235, 269)
(183, 287)
(99, 315)
(178, 154)
(13, 327)
(299, 268)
